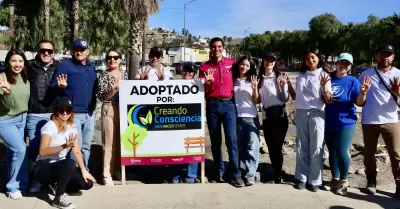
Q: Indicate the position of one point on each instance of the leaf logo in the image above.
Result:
(148, 119)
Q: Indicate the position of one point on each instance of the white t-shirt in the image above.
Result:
(245, 106)
(308, 90)
(269, 95)
(380, 107)
(57, 139)
(152, 76)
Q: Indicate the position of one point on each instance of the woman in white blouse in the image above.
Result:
(246, 97)
(313, 90)
(273, 90)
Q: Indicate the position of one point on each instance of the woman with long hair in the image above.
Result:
(341, 118)
(58, 137)
(274, 94)
(109, 82)
(246, 97)
(14, 97)
(313, 90)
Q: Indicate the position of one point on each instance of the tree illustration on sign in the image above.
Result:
(148, 119)
(133, 137)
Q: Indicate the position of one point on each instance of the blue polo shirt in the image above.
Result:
(341, 113)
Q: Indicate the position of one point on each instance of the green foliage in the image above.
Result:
(132, 131)
(148, 119)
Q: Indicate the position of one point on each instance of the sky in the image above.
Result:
(209, 18)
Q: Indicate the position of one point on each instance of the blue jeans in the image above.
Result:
(12, 132)
(191, 175)
(85, 125)
(34, 123)
(249, 145)
(310, 127)
(338, 143)
(218, 113)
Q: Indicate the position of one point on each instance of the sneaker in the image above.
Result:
(278, 180)
(371, 184)
(334, 185)
(237, 182)
(313, 188)
(250, 183)
(108, 181)
(15, 195)
(300, 185)
(63, 202)
(342, 190)
(397, 193)
(35, 187)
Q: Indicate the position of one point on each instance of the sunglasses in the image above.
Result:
(158, 56)
(112, 57)
(43, 51)
(65, 110)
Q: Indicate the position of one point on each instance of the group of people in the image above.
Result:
(55, 102)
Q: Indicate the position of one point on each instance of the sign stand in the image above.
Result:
(123, 176)
(203, 169)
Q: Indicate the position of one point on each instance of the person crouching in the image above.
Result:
(58, 137)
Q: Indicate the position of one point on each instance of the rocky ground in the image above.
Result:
(160, 174)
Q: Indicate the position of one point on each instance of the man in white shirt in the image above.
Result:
(155, 71)
(379, 115)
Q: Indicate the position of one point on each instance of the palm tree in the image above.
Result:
(46, 6)
(138, 11)
(75, 10)
(395, 29)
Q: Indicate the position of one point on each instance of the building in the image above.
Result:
(176, 54)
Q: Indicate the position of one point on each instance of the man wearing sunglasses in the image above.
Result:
(77, 79)
(155, 71)
(41, 102)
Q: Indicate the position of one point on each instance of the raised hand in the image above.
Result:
(209, 75)
(365, 85)
(4, 84)
(115, 86)
(145, 74)
(394, 84)
(283, 80)
(324, 81)
(62, 81)
(254, 81)
(70, 141)
(160, 73)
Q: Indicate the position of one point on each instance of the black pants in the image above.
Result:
(64, 173)
(275, 130)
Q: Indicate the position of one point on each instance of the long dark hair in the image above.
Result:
(9, 73)
(261, 72)
(304, 66)
(249, 73)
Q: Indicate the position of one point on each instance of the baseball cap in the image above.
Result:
(188, 67)
(385, 48)
(156, 51)
(63, 101)
(80, 43)
(346, 56)
(269, 54)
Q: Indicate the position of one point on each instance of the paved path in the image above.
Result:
(219, 196)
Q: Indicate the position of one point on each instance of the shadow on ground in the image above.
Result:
(386, 201)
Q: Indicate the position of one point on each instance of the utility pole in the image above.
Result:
(11, 8)
(184, 28)
(244, 38)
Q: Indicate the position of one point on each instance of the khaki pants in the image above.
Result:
(391, 135)
(110, 139)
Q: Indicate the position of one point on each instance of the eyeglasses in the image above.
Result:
(65, 110)
(112, 57)
(43, 51)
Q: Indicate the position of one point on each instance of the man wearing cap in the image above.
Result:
(221, 109)
(380, 117)
(77, 79)
(155, 71)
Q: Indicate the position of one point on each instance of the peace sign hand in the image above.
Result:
(70, 141)
(4, 84)
(283, 80)
(254, 81)
(209, 76)
(365, 85)
(160, 73)
(324, 81)
(144, 75)
(394, 84)
(62, 81)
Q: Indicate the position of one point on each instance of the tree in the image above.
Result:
(75, 10)
(138, 11)
(46, 10)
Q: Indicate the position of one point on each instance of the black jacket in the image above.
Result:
(42, 99)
